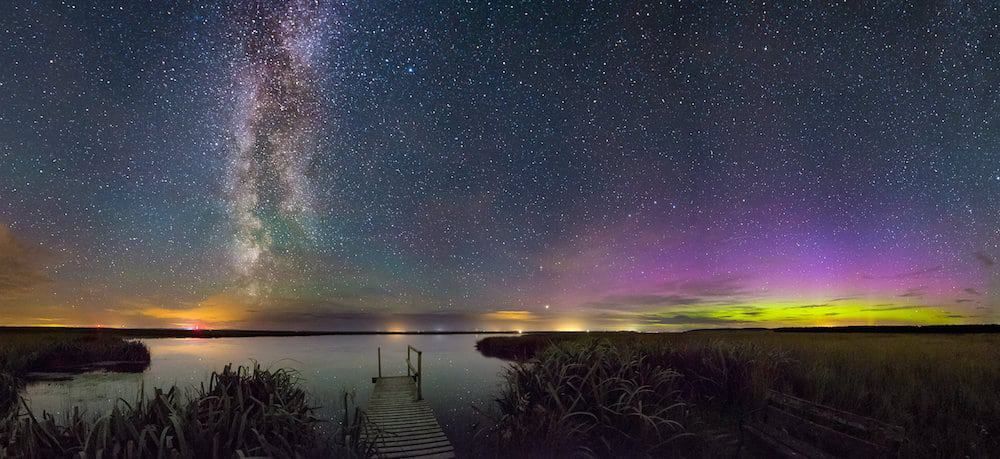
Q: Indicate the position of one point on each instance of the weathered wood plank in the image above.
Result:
(436, 456)
(413, 438)
(412, 443)
(399, 409)
(400, 426)
(400, 447)
(418, 453)
(397, 433)
(401, 417)
(391, 428)
(389, 417)
(780, 444)
(828, 439)
(794, 427)
(856, 425)
(397, 422)
(403, 431)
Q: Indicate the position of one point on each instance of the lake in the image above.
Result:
(456, 376)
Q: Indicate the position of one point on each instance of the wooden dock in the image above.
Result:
(398, 422)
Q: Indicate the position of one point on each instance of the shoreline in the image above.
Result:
(152, 333)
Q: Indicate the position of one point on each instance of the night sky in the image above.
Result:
(535, 165)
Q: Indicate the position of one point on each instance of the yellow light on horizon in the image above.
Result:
(569, 327)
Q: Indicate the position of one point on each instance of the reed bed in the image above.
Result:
(24, 353)
(9, 386)
(246, 411)
(941, 388)
(589, 400)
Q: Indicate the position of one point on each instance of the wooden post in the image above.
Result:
(420, 375)
(380, 361)
(347, 421)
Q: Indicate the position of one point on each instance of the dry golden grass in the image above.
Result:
(944, 389)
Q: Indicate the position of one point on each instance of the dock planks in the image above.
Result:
(402, 426)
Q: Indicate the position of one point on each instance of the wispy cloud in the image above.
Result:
(985, 259)
(644, 301)
(809, 306)
(20, 264)
(882, 308)
(913, 293)
(684, 319)
(677, 293)
(712, 287)
(915, 273)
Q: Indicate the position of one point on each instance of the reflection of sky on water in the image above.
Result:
(456, 374)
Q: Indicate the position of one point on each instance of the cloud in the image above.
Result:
(844, 298)
(677, 293)
(20, 264)
(643, 301)
(907, 274)
(972, 291)
(809, 306)
(683, 319)
(889, 308)
(985, 259)
(512, 316)
(913, 293)
(318, 318)
(723, 286)
(215, 310)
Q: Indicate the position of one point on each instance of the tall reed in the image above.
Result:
(941, 388)
(24, 353)
(243, 412)
(589, 400)
(9, 386)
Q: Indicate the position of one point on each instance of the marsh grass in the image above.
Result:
(246, 411)
(589, 400)
(9, 386)
(24, 353)
(943, 389)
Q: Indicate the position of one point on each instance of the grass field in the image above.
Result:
(942, 388)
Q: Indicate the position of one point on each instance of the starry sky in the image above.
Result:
(499, 165)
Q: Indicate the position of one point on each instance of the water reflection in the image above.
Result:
(456, 375)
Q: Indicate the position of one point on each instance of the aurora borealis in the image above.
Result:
(446, 166)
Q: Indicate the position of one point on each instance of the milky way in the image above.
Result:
(278, 111)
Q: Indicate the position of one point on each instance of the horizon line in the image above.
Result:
(236, 332)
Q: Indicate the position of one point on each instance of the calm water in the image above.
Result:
(456, 375)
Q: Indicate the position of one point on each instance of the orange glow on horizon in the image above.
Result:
(217, 309)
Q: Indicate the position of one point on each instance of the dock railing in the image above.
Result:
(416, 373)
